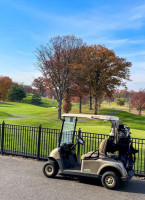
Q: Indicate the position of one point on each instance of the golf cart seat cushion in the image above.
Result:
(102, 150)
(103, 146)
(89, 153)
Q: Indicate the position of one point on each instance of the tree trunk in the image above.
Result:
(80, 106)
(96, 106)
(129, 107)
(59, 108)
(139, 112)
(91, 103)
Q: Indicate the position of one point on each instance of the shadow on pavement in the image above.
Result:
(133, 186)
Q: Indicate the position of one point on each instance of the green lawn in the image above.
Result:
(45, 101)
(47, 117)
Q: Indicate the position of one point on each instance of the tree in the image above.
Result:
(131, 93)
(16, 93)
(39, 84)
(5, 84)
(28, 89)
(120, 101)
(67, 103)
(78, 85)
(90, 102)
(138, 101)
(36, 99)
(55, 61)
(104, 71)
(125, 94)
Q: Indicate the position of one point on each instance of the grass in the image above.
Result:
(33, 115)
(45, 101)
(5, 115)
(47, 117)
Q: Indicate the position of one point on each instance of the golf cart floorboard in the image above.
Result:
(78, 173)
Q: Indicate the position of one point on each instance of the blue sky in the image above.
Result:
(26, 24)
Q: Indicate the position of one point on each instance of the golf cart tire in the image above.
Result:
(110, 180)
(50, 169)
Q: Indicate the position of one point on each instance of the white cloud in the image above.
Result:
(140, 66)
(138, 13)
(137, 53)
(138, 78)
(23, 77)
(136, 16)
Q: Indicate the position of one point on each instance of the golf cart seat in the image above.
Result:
(102, 151)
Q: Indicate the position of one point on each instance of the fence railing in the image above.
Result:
(38, 142)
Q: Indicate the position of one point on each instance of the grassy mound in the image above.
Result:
(45, 101)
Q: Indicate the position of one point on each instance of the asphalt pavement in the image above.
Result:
(22, 179)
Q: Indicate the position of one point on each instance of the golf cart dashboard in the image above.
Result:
(67, 148)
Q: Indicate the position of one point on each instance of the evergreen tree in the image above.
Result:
(16, 93)
(36, 99)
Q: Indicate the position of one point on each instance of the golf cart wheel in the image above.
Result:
(50, 169)
(110, 180)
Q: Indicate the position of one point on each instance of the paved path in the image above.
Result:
(22, 179)
(18, 117)
(112, 113)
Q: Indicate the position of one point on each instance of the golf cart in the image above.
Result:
(101, 163)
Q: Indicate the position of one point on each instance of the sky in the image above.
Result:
(27, 24)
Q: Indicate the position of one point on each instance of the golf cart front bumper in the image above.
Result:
(129, 176)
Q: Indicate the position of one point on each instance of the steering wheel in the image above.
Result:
(79, 140)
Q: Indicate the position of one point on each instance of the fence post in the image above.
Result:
(78, 151)
(39, 139)
(2, 140)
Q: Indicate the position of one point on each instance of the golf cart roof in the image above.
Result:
(103, 117)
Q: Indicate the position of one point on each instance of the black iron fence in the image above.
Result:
(38, 142)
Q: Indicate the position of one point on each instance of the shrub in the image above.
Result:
(36, 99)
(121, 101)
(28, 98)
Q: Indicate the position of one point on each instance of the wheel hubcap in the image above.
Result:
(109, 180)
(49, 169)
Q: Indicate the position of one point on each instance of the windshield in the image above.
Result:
(68, 130)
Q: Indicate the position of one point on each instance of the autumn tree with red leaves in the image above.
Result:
(39, 84)
(79, 87)
(5, 85)
(138, 101)
(104, 71)
(29, 89)
(55, 61)
(67, 103)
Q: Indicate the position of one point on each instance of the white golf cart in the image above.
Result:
(101, 163)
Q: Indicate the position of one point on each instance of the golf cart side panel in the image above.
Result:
(96, 166)
(90, 166)
(116, 165)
